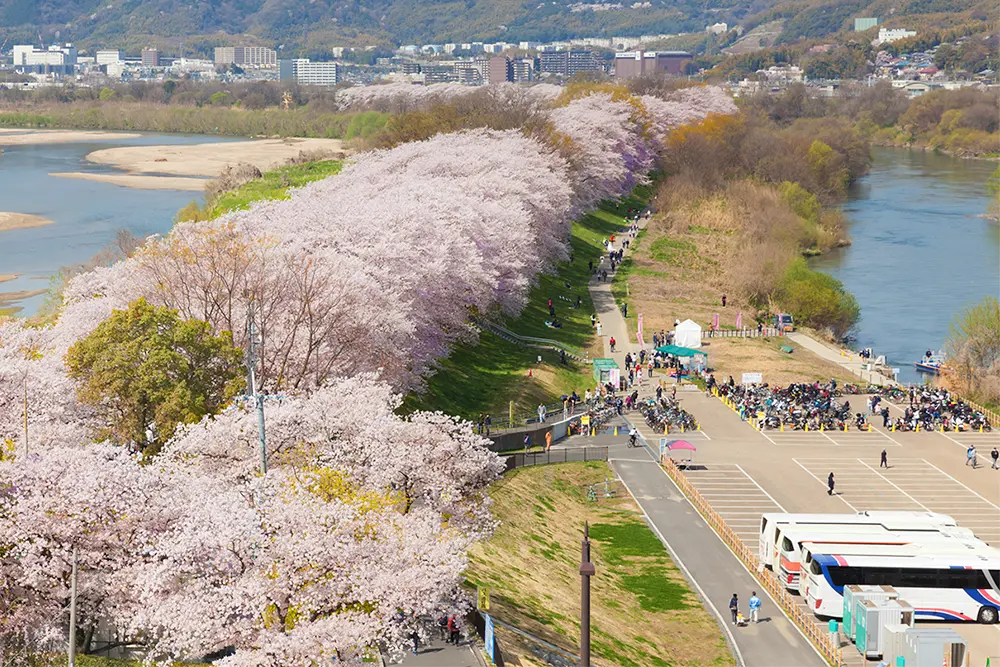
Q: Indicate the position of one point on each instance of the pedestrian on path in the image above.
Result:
(754, 605)
(527, 443)
(489, 423)
(452, 630)
(481, 423)
(734, 607)
(829, 483)
(885, 417)
(612, 343)
(548, 440)
(884, 463)
(541, 413)
(723, 300)
(593, 320)
(970, 456)
(996, 455)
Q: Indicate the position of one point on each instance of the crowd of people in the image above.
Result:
(931, 407)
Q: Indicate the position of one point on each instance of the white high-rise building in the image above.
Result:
(108, 56)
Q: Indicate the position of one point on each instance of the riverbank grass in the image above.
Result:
(273, 184)
(643, 612)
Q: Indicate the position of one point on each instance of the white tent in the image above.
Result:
(687, 334)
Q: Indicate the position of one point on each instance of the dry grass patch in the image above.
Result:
(643, 612)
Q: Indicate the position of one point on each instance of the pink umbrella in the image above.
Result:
(739, 320)
(681, 444)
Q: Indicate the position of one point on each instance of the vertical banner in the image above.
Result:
(715, 322)
(739, 320)
(488, 640)
(638, 335)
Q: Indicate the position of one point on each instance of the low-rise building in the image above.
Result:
(889, 35)
(107, 56)
(150, 58)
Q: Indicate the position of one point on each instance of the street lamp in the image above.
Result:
(587, 570)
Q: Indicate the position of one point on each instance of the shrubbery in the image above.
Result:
(817, 300)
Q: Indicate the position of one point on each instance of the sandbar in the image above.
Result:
(139, 181)
(209, 159)
(4, 277)
(25, 137)
(10, 221)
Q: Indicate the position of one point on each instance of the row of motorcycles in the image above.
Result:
(667, 414)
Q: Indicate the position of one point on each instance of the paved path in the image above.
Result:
(711, 566)
(441, 654)
(845, 358)
(612, 322)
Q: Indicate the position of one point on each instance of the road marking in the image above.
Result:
(808, 472)
(992, 504)
(769, 497)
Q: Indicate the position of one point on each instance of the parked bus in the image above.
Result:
(942, 586)
(769, 523)
(794, 556)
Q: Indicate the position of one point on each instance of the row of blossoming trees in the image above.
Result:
(359, 283)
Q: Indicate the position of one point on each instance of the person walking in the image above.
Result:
(884, 463)
(970, 456)
(480, 424)
(723, 300)
(886, 422)
(734, 607)
(612, 343)
(541, 413)
(995, 455)
(548, 440)
(489, 423)
(754, 605)
(452, 630)
(830, 483)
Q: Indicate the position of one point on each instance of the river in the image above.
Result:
(86, 214)
(920, 252)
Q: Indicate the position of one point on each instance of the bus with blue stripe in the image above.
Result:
(944, 584)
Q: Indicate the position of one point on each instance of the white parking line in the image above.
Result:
(853, 508)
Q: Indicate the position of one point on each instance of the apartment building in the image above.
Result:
(307, 73)
(254, 56)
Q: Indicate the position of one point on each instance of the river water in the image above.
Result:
(86, 214)
(920, 253)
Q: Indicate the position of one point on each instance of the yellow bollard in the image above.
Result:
(845, 428)
(666, 429)
(616, 430)
(682, 428)
(807, 427)
(869, 428)
(956, 429)
(782, 429)
(893, 429)
(822, 428)
(918, 427)
(980, 428)
(942, 428)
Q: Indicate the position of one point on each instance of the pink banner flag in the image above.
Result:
(739, 320)
(715, 322)
(639, 325)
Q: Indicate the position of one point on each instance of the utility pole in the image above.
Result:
(72, 610)
(587, 570)
(26, 416)
(257, 396)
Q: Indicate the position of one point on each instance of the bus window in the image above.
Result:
(842, 576)
(815, 568)
(786, 544)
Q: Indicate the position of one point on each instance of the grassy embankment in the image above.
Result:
(486, 376)
(274, 184)
(643, 612)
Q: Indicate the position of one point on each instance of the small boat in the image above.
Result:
(931, 363)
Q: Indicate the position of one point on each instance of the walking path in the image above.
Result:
(845, 358)
(441, 654)
(612, 322)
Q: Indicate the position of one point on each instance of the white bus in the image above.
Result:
(941, 587)
(791, 537)
(769, 524)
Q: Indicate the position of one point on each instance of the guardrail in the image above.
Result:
(820, 639)
(766, 332)
(532, 341)
(562, 455)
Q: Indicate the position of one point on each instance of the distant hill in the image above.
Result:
(305, 26)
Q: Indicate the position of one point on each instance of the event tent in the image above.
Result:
(678, 351)
(688, 334)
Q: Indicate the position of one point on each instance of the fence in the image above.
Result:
(766, 332)
(570, 455)
(531, 341)
(805, 622)
(991, 415)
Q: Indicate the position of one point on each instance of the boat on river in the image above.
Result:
(931, 363)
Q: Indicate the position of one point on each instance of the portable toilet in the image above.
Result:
(894, 642)
(854, 592)
(871, 619)
(935, 647)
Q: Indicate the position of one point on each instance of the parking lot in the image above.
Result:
(819, 439)
(908, 484)
(735, 496)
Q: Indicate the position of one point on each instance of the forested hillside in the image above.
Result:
(304, 27)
